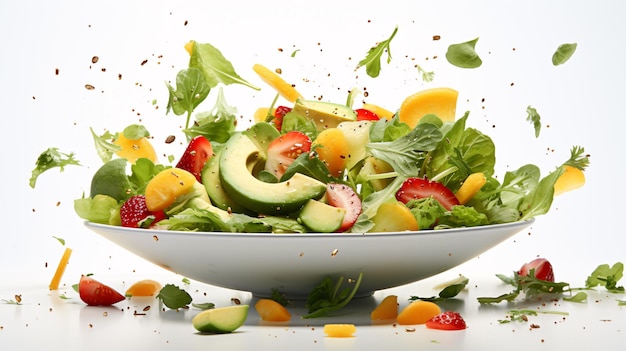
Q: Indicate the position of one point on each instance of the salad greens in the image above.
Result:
(563, 53)
(464, 55)
(329, 297)
(372, 60)
(51, 158)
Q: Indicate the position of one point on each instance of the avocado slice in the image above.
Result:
(236, 170)
(221, 319)
(324, 114)
(211, 180)
(321, 217)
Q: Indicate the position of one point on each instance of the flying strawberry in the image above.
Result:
(283, 150)
(135, 214)
(195, 156)
(365, 115)
(419, 188)
(341, 195)
(94, 293)
(543, 269)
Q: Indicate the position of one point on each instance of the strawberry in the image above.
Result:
(341, 195)
(279, 113)
(195, 156)
(283, 150)
(365, 115)
(135, 214)
(94, 293)
(543, 269)
(419, 188)
(447, 321)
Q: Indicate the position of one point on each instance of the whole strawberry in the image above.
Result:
(135, 214)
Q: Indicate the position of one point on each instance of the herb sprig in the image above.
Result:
(328, 297)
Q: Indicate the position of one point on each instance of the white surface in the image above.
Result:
(295, 264)
(580, 102)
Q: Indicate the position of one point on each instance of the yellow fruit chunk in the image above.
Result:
(380, 111)
(58, 274)
(146, 287)
(387, 309)
(260, 115)
(470, 187)
(283, 88)
(436, 101)
(189, 46)
(166, 186)
(333, 149)
(339, 330)
(272, 311)
(418, 312)
(133, 149)
(394, 217)
(572, 178)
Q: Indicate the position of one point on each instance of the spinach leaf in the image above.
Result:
(191, 90)
(217, 125)
(464, 55)
(215, 67)
(563, 53)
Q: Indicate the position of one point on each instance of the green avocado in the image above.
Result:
(324, 114)
(239, 160)
(321, 217)
(211, 181)
(221, 320)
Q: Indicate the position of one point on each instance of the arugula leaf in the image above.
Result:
(534, 118)
(279, 297)
(579, 297)
(607, 276)
(191, 90)
(448, 292)
(522, 315)
(563, 53)
(174, 297)
(215, 67)
(328, 297)
(50, 159)
(372, 59)
(528, 285)
(464, 55)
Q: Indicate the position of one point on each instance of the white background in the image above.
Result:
(580, 103)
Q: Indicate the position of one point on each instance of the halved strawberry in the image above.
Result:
(94, 293)
(447, 321)
(283, 150)
(279, 113)
(341, 195)
(365, 115)
(195, 156)
(543, 269)
(419, 188)
(135, 214)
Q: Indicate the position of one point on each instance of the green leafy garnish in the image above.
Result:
(279, 297)
(464, 55)
(607, 276)
(215, 67)
(104, 147)
(577, 159)
(61, 240)
(528, 285)
(203, 306)
(448, 292)
(50, 159)
(191, 90)
(522, 315)
(328, 297)
(372, 59)
(534, 118)
(563, 53)
(426, 76)
(174, 297)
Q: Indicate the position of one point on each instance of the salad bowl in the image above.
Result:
(294, 264)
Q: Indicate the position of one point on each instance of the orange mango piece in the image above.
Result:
(146, 287)
(436, 101)
(58, 274)
(133, 149)
(470, 187)
(394, 217)
(339, 330)
(333, 149)
(572, 178)
(418, 312)
(272, 311)
(163, 189)
(283, 88)
(380, 111)
(261, 113)
(387, 309)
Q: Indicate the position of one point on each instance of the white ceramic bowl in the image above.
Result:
(296, 263)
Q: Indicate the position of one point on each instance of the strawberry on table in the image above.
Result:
(134, 213)
(94, 293)
(341, 195)
(543, 269)
(447, 321)
(420, 188)
(195, 156)
(283, 150)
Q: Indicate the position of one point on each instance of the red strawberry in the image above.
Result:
(283, 150)
(365, 115)
(543, 269)
(135, 214)
(195, 156)
(279, 113)
(341, 195)
(447, 321)
(94, 293)
(419, 188)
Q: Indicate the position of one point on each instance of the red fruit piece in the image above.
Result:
(279, 113)
(135, 214)
(94, 293)
(283, 150)
(543, 269)
(447, 321)
(365, 115)
(419, 188)
(195, 156)
(341, 195)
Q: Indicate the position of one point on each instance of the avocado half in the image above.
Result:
(235, 171)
